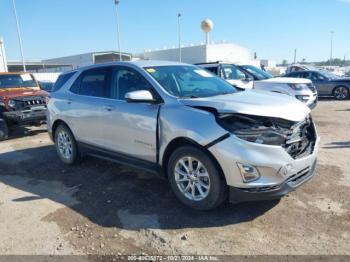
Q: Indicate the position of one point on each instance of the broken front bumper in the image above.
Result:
(237, 195)
(26, 116)
(279, 172)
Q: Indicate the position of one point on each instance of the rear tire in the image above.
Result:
(66, 145)
(341, 93)
(195, 178)
(4, 130)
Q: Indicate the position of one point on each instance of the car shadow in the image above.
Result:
(335, 145)
(23, 131)
(113, 195)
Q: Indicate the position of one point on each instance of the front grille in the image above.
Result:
(312, 87)
(301, 142)
(27, 103)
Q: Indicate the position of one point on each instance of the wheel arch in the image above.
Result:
(56, 124)
(184, 141)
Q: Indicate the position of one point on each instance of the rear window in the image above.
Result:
(17, 80)
(62, 79)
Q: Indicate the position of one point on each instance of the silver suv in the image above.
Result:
(209, 140)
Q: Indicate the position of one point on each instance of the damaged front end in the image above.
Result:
(297, 138)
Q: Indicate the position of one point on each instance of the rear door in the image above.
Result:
(86, 103)
(129, 128)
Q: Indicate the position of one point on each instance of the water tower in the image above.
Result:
(207, 25)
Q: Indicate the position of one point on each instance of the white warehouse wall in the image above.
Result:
(202, 53)
(228, 53)
(190, 54)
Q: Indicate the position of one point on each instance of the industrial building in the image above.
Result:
(228, 52)
(86, 59)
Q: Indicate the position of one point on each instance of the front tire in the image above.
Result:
(341, 92)
(66, 145)
(195, 178)
(4, 130)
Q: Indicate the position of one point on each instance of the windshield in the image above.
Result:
(17, 80)
(189, 81)
(329, 75)
(258, 73)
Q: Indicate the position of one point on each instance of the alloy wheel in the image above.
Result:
(341, 93)
(65, 146)
(192, 178)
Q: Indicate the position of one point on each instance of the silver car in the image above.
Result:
(209, 140)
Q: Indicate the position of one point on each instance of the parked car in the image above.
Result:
(46, 85)
(299, 67)
(248, 77)
(209, 140)
(22, 102)
(327, 84)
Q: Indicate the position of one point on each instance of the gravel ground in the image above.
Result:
(99, 207)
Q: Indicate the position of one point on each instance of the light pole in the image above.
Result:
(331, 57)
(179, 32)
(19, 35)
(116, 2)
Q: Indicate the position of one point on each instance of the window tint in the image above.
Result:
(62, 79)
(93, 82)
(126, 80)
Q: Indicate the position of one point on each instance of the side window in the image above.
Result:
(297, 75)
(213, 70)
(317, 77)
(232, 73)
(62, 79)
(93, 82)
(126, 80)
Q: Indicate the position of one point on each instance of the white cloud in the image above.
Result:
(344, 1)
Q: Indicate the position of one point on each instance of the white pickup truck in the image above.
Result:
(251, 77)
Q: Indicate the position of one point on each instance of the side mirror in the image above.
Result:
(141, 96)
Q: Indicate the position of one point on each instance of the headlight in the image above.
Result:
(12, 103)
(267, 137)
(302, 98)
(298, 86)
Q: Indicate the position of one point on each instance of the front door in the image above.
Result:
(83, 108)
(130, 128)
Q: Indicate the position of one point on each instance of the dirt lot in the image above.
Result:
(104, 208)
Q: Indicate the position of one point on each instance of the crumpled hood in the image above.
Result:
(8, 93)
(255, 102)
(287, 80)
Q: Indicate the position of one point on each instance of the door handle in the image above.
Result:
(69, 101)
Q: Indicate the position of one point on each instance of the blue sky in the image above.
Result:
(272, 28)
